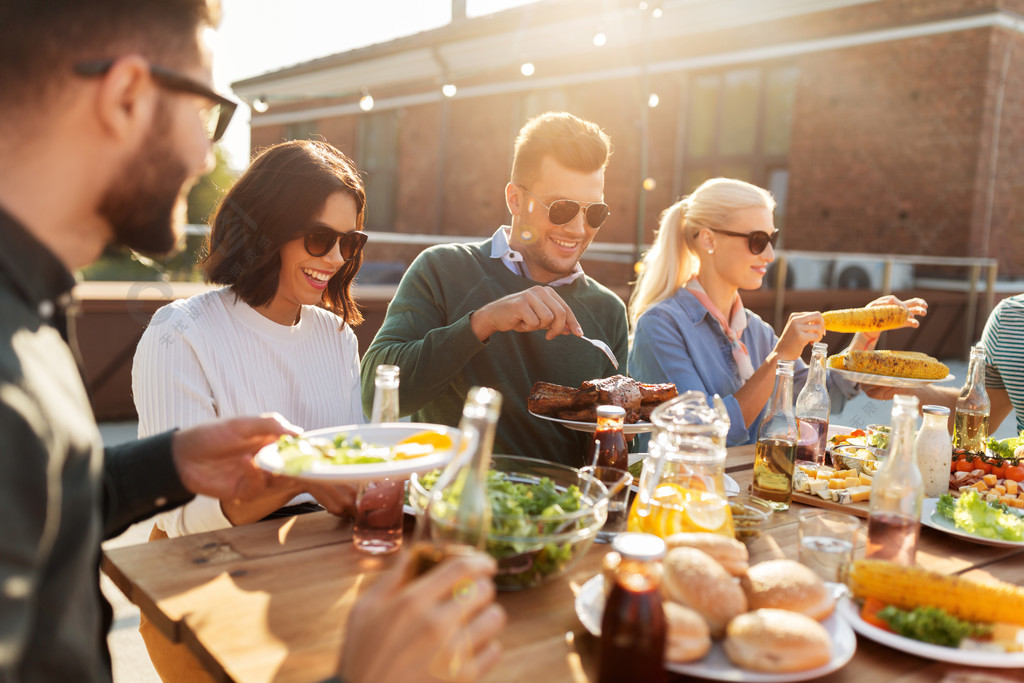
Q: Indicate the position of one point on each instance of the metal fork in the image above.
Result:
(604, 347)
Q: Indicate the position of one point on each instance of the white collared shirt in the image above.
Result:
(513, 260)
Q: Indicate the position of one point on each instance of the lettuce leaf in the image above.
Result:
(990, 520)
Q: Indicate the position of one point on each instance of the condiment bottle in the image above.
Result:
(813, 407)
(776, 443)
(894, 520)
(970, 423)
(458, 511)
(633, 628)
(933, 450)
(385, 395)
(377, 527)
(609, 438)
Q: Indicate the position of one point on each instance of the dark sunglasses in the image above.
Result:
(320, 241)
(215, 118)
(758, 240)
(561, 211)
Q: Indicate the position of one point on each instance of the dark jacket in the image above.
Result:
(60, 492)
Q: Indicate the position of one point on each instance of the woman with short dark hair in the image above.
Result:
(286, 241)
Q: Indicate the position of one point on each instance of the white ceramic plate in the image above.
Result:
(627, 429)
(887, 381)
(715, 665)
(849, 611)
(378, 434)
(930, 517)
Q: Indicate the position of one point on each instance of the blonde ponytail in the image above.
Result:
(672, 259)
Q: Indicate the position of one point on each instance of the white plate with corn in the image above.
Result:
(890, 368)
(909, 587)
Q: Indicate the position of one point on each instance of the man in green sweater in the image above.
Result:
(509, 311)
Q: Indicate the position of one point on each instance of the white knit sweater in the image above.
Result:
(211, 357)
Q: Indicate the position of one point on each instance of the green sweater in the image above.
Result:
(427, 334)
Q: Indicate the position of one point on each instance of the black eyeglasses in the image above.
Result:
(320, 241)
(561, 211)
(215, 118)
(758, 240)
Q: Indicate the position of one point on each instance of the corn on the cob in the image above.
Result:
(910, 587)
(907, 364)
(873, 319)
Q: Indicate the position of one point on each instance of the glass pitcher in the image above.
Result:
(681, 486)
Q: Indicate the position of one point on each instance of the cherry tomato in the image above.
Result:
(964, 465)
(983, 465)
(1015, 472)
(869, 613)
(999, 469)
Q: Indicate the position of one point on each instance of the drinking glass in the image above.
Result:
(379, 516)
(618, 483)
(827, 540)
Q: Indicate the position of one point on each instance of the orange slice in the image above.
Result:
(436, 440)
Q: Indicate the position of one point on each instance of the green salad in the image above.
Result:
(976, 516)
(1006, 448)
(521, 513)
(931, 625)
(298, 454)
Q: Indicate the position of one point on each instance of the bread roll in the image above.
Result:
(695, 580)
(786, 584)
(729, 552)
(777, 641)
(688, 636)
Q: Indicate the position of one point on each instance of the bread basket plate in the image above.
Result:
(715, 665)
(849, 611)
(931, 517)
(627, 429)
(268, 458)
(886, 380)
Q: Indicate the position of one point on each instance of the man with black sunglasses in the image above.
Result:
(509, 311)
(107, 114)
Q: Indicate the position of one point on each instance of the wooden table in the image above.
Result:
(269, 601)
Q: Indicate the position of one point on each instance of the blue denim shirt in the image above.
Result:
(677, 340)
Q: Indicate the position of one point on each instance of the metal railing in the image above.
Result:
(627, 253)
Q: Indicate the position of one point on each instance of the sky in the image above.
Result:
(258, 36)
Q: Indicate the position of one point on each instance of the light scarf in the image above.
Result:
(732, 328)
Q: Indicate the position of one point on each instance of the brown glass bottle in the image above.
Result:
(633, 625)
(609, 440)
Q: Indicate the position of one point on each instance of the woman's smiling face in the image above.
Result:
(303, 278)
(733, 261)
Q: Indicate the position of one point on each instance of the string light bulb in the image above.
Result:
(449, 90)
(600, 39)
(527, 69)
(656, 13)
(366, 101)
(260, 104)
(653, 100)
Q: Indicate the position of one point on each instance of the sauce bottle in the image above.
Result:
(609, 440)
(813, 407)
(894, 520)
(633, 628)
(776, 443)
(970, 423)
(933, 450)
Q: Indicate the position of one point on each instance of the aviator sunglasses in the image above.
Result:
(758, 240)
(320, 241)
(561, 211)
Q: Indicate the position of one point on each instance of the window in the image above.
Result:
(738, 125)
(378, 160)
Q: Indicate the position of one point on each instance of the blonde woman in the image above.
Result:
(688, 320)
